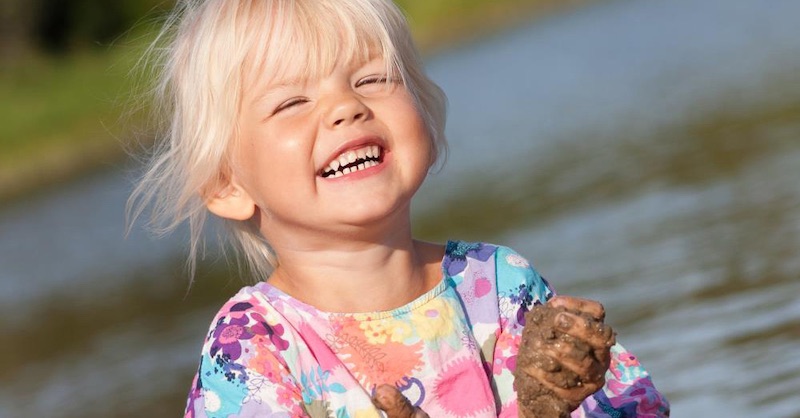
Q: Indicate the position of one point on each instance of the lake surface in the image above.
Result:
(642, 153)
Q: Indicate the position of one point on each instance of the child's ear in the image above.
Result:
(232, 202)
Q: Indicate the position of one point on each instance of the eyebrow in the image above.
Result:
(274, 88)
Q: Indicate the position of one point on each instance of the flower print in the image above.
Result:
(401, 331)
(401, 361)
(615, 386)
(507, 342)
(286, 397)
(463, 375)
(433, 319)
(517, 261)
(274, 332)
(605, 406)
(457, 252)
(257, 387)
(376, 331)
(373, 363)
(232, 371)
(628, 359)
(316, 383)
(212, 401)
(268, 398)
(242, 325)
(637, 398)
(625, 367)
(238, 309)
(507, 310)
(511, 363)
(505, 352)
(227, 336)
(264, 362)
(520, 299)
(651, 402)
(522, 296)
(499, 362)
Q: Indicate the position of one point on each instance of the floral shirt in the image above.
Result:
(452, 351)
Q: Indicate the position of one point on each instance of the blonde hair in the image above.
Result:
(209, 51)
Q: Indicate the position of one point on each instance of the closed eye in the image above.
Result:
(373, 79)
(289, 103)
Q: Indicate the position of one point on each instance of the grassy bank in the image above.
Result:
(60, 117)
(63, 116)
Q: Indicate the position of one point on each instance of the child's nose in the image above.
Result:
(345, 110)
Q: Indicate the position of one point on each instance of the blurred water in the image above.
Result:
(643, 153)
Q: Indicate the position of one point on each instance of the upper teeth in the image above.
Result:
(353, 160)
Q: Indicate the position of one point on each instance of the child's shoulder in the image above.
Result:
(503, 257)
(512, 272)
(257, 314)
(254, 304)
(481, 250)
(251, 298)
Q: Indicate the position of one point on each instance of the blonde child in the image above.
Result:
(307, 126)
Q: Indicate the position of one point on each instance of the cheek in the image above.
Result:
(409, 118)
(276, 164)
(421, 131)
(424, 141)
(273, 151)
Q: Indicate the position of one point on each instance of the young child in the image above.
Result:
(308, 125)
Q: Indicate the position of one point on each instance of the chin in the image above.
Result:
(377, 212)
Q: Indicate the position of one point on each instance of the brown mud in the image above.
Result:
(535, 399)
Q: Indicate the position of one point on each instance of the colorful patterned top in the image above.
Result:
(452, 351)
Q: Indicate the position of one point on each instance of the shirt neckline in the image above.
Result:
(273, 292)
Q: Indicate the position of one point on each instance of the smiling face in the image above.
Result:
(258, 84)
(331, 154)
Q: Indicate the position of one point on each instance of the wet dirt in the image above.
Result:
(541, 333)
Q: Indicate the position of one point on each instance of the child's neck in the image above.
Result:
(361, 277)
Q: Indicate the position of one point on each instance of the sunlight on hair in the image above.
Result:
(210, 52)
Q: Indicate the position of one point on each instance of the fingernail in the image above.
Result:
(564, 322)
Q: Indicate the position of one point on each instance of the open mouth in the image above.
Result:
(353, 160)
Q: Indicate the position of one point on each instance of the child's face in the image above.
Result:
(297, 135)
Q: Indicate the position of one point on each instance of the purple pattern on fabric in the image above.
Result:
(457, 252)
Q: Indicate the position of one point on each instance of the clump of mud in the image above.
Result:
(534, 399)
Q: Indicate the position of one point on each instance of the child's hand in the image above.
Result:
(563, 356)
(389, 399)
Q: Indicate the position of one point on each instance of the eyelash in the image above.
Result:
(289, 103)
(360, 83)
(375, 79)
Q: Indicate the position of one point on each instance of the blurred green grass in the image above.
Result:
(53, 101)
(63, 115)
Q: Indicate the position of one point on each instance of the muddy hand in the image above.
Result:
(584, 321)
(390, 400)
(573, 363)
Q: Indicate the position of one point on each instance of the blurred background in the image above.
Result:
(643, 153)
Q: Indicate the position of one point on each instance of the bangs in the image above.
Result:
(308, 39)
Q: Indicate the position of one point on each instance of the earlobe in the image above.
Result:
(232, 202)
